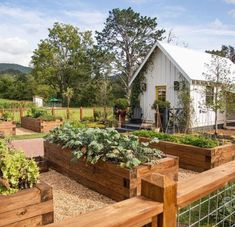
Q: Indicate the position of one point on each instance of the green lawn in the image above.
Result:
(74, 113)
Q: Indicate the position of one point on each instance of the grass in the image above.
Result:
(74, 113)
(28, 136)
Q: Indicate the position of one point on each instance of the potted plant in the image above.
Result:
(161, 114)
(120, 109)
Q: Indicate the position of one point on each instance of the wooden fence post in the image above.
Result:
(105, 113)
(21, 112)
(81, 113)
(53, 111)
(67, 113)
(94, 115)
(160, 188)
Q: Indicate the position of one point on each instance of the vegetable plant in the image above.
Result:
(195, 140)
(94, 144)
(41, 113)
(16, 171)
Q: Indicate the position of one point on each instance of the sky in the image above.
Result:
(201, 24)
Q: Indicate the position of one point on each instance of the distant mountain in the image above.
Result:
(14, 68)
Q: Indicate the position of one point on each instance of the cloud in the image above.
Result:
(14, 45)
(230, 1)
(217, 24)
(87, 18)
(172, 11)
(232, 12)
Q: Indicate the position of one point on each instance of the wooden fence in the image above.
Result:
(160, 200)
(79, 113)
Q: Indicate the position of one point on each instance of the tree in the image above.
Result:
(225, 51)
(220, 84)
(68, 94)
(128, 36)
(61, 60)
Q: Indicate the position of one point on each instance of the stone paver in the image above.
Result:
(31, 147)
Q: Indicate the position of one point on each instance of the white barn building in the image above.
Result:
(163, 67)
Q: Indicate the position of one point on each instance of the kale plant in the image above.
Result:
(96, 144)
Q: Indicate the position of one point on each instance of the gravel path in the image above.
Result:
(184, 174)
(71, 198)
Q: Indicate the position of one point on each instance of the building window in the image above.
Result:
(161, 93)
(209, 95)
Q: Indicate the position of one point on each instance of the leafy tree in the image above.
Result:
(61, 60)
(225, 51)
(219, 77)
(128, 36)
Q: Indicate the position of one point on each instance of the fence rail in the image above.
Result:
(79, 113)
(207, 199)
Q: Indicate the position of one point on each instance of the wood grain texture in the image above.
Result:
(160, 188)
(127, 213)
(105, 177)
(7, 128)
(29, 207)
(196, 158)
(38, 125)
(202, 184)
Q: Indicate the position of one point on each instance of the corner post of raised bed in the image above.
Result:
(47, 197)
(160, 188)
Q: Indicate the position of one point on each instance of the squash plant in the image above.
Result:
(16, 171)
(94, 144)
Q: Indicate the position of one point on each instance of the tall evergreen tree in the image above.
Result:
(128, 36)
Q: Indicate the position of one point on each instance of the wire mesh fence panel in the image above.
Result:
(215, 209)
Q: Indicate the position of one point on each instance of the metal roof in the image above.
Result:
(191, 63)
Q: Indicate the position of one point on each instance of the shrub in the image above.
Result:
(121, 104)
(7, 116)
(195, 140)
(94, 144)
(42, 114)
(16, 171)
(97, 115)
(161, 105)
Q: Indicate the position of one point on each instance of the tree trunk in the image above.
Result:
(216, 124)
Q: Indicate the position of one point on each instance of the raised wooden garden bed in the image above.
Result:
(29, 207)
(106, 178)
(7, 128)
(39, 125)
(41, 163)
(196, 158)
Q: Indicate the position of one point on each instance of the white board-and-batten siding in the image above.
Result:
(160, 71)
(201, 115)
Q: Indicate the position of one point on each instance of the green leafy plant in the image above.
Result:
(7, 116)
(161, 105)
(94, 144)
(195, 140)
(121, 104)
(16, 171)
(42, 114)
